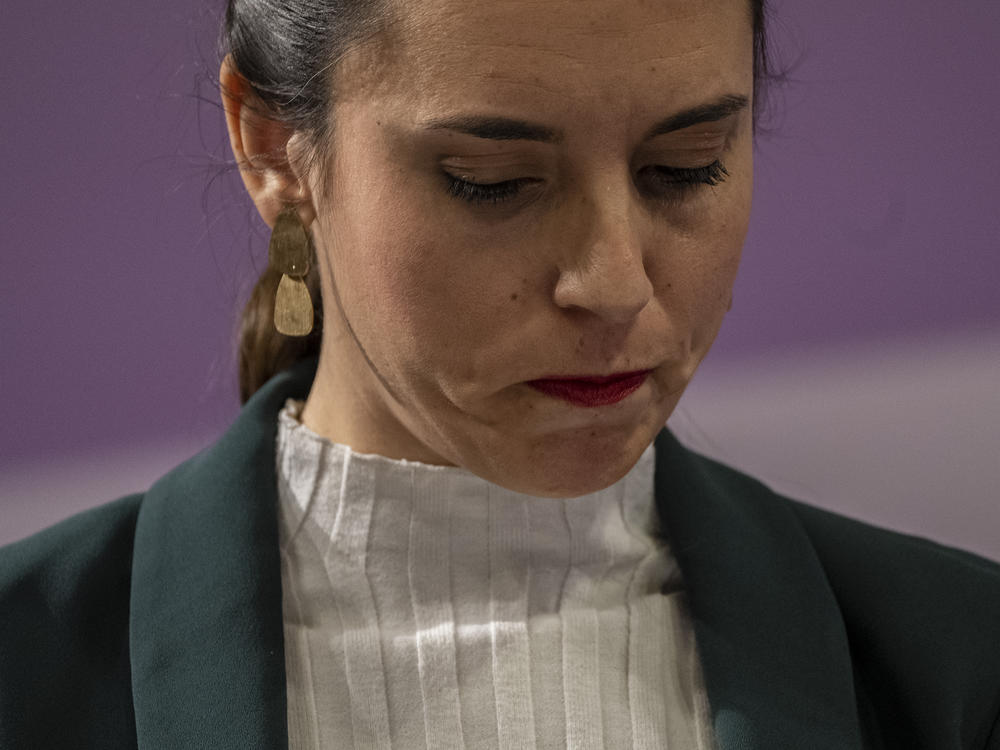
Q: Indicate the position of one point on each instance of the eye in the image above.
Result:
(671, 183)
(676, 183)
(478, 192)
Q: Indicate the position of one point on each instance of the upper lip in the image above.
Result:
(597, 378)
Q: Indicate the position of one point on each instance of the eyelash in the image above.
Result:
(681, 181)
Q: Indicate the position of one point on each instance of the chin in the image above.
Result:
(575, 485)
(576, 468)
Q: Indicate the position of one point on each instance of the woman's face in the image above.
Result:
(591, 257)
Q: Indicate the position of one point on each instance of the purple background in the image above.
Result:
(129, 248)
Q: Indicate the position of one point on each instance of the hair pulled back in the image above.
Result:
(286, 50)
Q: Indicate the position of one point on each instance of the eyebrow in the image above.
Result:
(507, 129)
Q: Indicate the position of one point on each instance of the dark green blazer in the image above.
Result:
(155, 621)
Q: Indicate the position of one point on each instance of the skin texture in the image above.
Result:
(437, 310)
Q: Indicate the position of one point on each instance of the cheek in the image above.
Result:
(423, 296)
(696, 276)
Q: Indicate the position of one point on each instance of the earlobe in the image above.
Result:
(260, 145)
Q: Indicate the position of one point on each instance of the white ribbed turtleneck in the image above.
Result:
(426, 607)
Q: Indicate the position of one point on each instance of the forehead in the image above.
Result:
(553, 56)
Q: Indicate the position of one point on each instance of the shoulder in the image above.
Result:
(909, 592)
(923, 621)
(64, 618)
(49, 567)
(889, 584)
(900, 576)
(862, 559)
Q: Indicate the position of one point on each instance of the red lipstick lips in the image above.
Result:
(592, 391)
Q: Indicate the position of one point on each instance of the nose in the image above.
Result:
(602, 269)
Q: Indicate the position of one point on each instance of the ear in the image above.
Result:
(264, 149)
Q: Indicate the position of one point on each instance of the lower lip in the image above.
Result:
(582, 393)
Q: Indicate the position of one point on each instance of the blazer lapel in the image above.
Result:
(772, 643)
(206, 636)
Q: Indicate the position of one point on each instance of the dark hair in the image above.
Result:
(286, 50)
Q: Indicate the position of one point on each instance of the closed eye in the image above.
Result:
(676, 183)
(492, 192)
(669, 183)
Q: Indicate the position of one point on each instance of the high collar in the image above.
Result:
(593, 550)
(206, 621)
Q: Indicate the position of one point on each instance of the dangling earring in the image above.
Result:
(289, 252)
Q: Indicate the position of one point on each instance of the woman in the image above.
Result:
(449, 515)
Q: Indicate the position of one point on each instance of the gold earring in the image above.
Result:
(289, 252)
